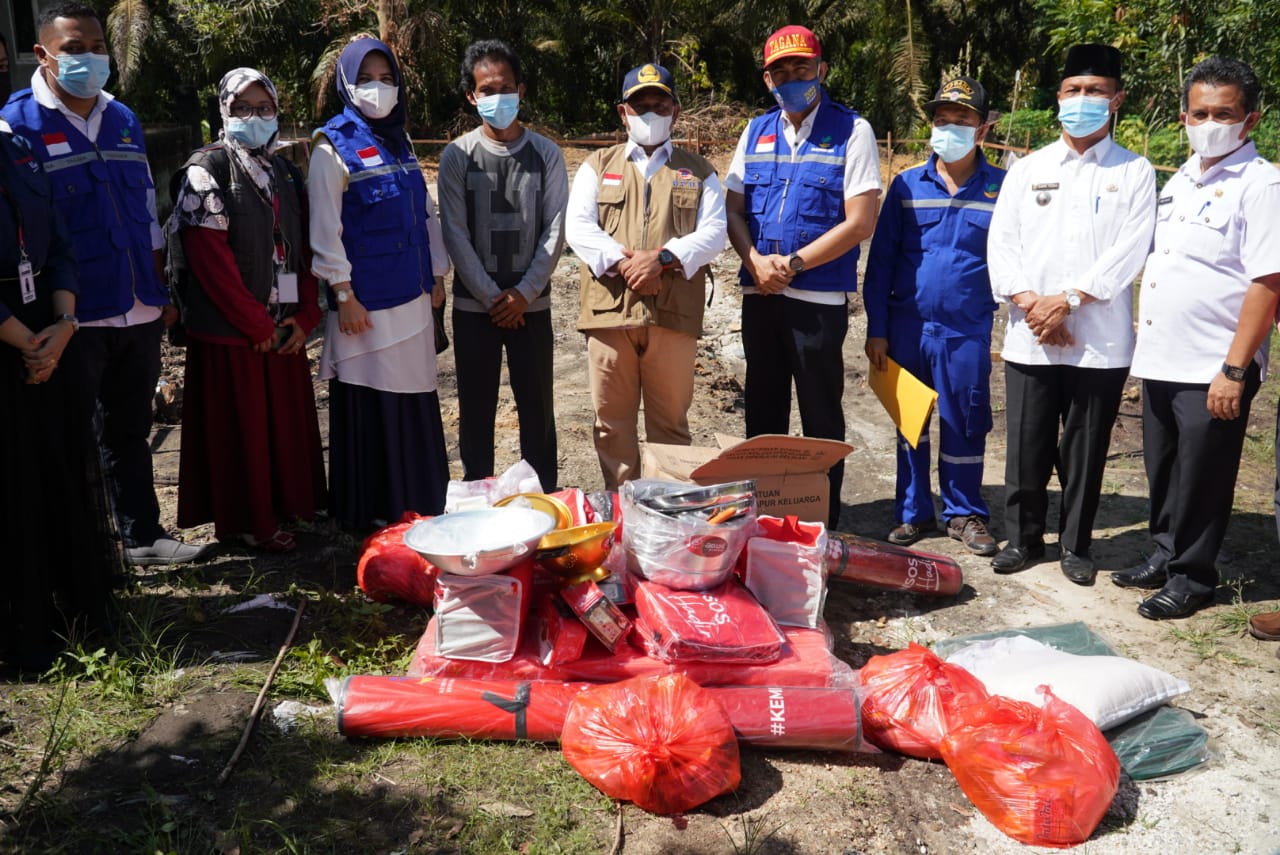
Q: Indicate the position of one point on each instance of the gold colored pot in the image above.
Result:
(577, 553)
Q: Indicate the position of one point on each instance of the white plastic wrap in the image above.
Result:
(478, 617)
(788, 577)
(467, 495)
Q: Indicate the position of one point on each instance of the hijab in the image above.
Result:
(256, 162)
(390, 128)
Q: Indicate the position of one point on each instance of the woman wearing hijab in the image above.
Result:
(377, 243)
(58, 556)
(251, 452)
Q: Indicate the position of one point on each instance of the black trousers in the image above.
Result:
(1084, 402)
(478, 346)
(115, 371)
(788, 341)
(1192, 460)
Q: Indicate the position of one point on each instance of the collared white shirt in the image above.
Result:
(1070, 221)
(1216, 233)
(601, 253)
(861, 173)
(139, 312)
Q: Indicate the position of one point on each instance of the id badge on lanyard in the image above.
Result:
(27, 281)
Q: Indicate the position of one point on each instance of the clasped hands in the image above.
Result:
(46, 347)
(1045, 316)
(772, 273)
(642, 271)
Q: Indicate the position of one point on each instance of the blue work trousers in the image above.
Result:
(958, 368)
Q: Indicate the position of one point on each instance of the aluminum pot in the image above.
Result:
(669, 541)
(479, 542)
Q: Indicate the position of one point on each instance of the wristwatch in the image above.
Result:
(1232, 372)
(342, 295)
(71, 319)
(666, 258)
(796, 263)
(1073, 300)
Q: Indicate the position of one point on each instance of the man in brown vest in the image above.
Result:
(646, 219)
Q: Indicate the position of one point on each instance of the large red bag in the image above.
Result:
(724, 625)
(390, 570)
(664, 743)
(911, 699)
(1043, 776)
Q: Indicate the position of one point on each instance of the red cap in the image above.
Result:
(791, 41)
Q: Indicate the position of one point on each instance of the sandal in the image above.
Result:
(281, 541)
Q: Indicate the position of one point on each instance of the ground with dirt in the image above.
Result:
(134, 768)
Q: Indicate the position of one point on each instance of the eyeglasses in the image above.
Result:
(244, 111)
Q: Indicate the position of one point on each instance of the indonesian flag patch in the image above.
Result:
(56, 144)
(766, 143)
(369, 156)
(611, 179)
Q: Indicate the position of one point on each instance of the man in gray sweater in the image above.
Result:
(503, 191)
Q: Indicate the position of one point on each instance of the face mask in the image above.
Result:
(374, 99)
(952, 142)
(252, 132)
(796, 96)
(649, 129)
(83, 74)
(499, 110)
(1084, 114)
(1211, 139)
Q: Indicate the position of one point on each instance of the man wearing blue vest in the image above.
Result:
(929, 308)
(802, 193)
(92, 147)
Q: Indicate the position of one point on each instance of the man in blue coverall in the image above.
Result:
(929, 308)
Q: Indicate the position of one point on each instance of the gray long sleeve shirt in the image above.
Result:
(502, 210)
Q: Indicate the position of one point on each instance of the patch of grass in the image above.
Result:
(1205, 641)
(752, 833)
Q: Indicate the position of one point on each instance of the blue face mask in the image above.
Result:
(796, 96)
(1084, 114)
(83, 74)
(499, 110)
(252, 132)
(952, 142)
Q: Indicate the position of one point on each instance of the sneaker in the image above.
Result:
(164, 551)
(973, 533)
(908, 533)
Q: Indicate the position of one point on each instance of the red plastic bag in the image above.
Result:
(1043, 776)
(911, 699)
(390, 570)
(664, 743)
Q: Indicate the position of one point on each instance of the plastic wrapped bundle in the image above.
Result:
(722, 625)
(686, 537)
(389, 570)
(911, 700)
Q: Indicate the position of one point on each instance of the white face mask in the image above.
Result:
(1211, 139)
(374, 99)
(649, 129)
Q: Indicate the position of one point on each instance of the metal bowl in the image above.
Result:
(540, 502)
(479, 542)
(571, 552)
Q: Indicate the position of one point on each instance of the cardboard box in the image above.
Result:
(790, 471)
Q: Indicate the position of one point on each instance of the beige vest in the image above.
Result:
(674, 193)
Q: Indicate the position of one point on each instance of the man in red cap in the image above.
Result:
(802, 193)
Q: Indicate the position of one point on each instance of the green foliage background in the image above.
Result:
(886, 56)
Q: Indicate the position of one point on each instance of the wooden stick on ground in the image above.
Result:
(262, 694)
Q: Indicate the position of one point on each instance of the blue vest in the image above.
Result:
(790, 205)
(101, 192)
(384, 216)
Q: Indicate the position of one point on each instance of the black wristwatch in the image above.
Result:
(796, 263)
(666, 258)
(1232, 372)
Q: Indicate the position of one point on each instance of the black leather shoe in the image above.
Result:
(1011, 559)
(1141, 576)
(1078, 568)
(1165, 604)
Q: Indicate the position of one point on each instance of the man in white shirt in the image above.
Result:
(802, 192)
(1208, 299)
(646, 219)
(1070, 232)
(92, 146)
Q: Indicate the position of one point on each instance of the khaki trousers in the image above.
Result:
(653, 365)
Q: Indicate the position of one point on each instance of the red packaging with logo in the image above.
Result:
(561, 636)
(598, 613)
(724, 625)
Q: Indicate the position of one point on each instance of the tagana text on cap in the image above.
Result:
(648, 76)
(791, 41)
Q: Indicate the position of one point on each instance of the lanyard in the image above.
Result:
(17, 219)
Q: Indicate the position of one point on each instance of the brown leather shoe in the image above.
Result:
(973, 533)
(907, 533)
(1265, 626)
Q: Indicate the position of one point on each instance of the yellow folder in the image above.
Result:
(907, 401)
